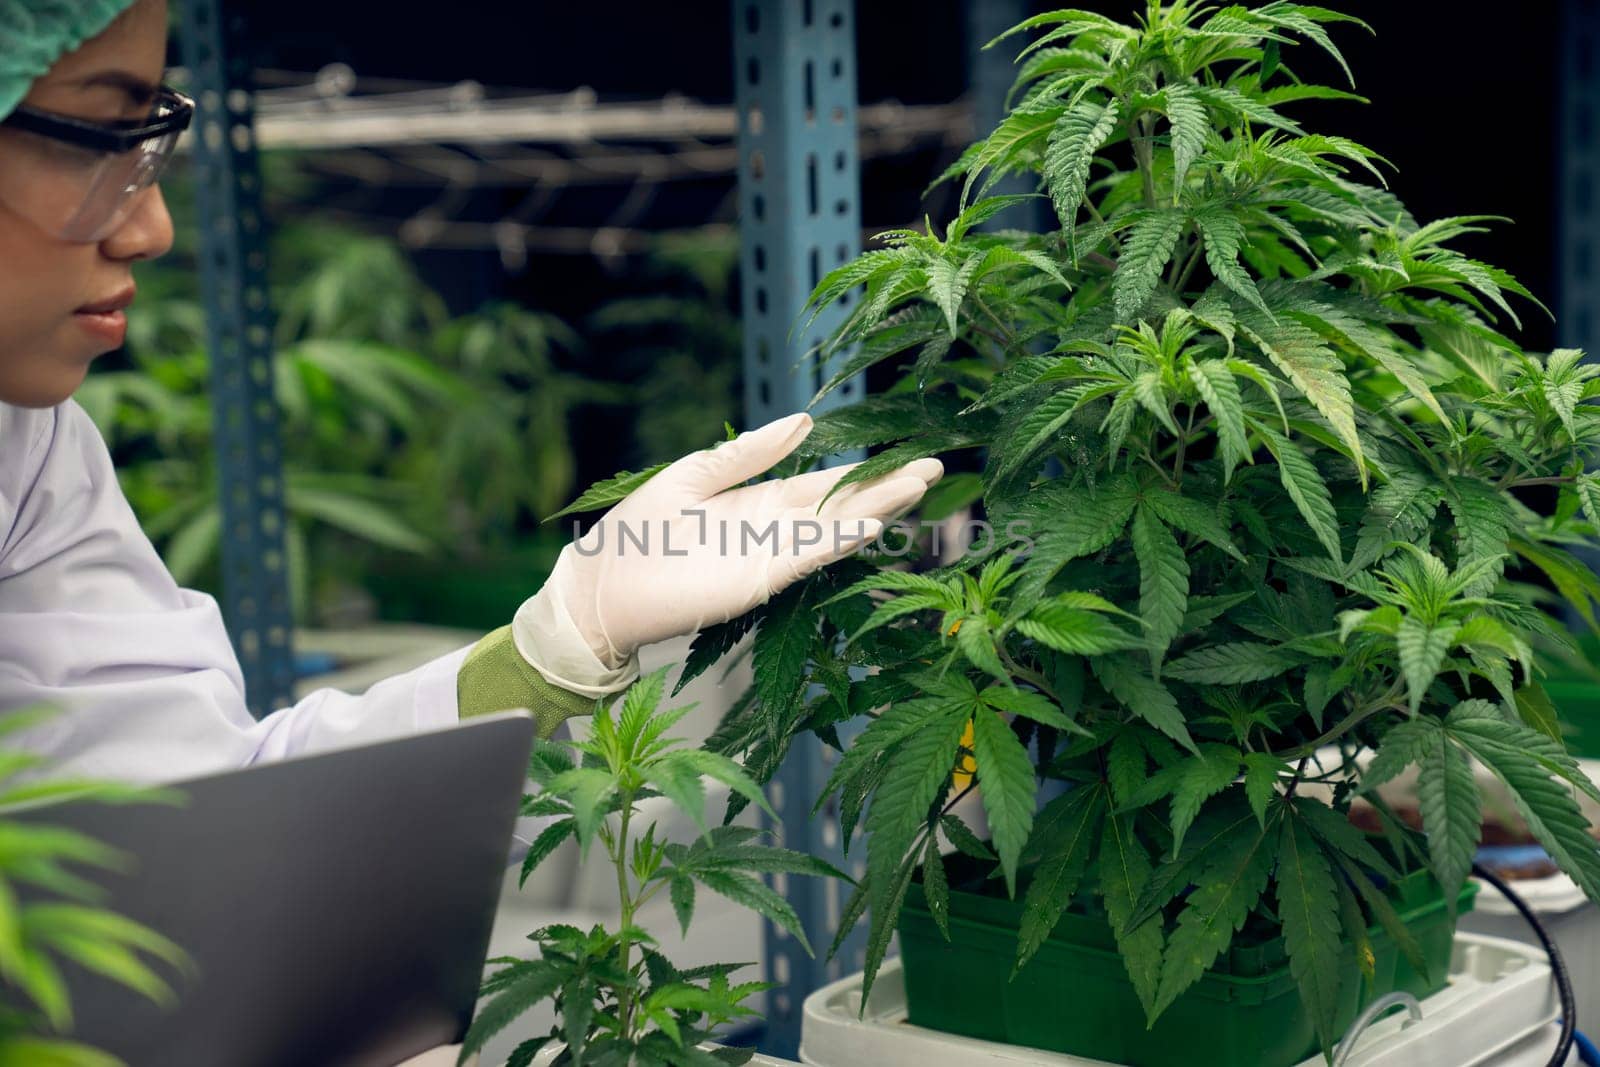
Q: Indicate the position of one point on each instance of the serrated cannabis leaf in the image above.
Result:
(1144, 696)
(1070, 151)
(1124, 869)
(1262, 773)
(604, 493)
(1163, 582)
(1196, 780)
(1064, 838)
(1230, 664)
(1229, 884)
(1149, 246)
(935, 886)
(900, 809)
(1308, 907)
(1307, 489)
(1191, 128)
(1006, 776)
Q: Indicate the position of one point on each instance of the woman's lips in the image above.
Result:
(110, 327)
(105, 319)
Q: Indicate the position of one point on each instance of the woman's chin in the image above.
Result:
(42, 390)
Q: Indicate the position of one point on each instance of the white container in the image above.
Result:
(1535, 1051)
(548, 1054)
(1497, 1010)
(1574, 924)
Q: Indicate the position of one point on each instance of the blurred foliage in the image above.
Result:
(681, 342)
(408, 432)
(51, 916)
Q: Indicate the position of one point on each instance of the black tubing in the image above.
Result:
(1558, 966)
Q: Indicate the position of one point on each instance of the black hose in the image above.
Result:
(1558, 966)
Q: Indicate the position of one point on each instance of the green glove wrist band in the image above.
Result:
(495, 677)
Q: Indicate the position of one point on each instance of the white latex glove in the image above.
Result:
(687, 549)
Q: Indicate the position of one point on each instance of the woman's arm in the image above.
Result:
(92, 622)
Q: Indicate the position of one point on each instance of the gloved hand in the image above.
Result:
(693, 547)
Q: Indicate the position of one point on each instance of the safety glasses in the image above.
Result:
(80, 180)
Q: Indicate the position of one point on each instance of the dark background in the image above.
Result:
(1465, 111)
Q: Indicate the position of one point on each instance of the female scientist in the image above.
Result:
(90, 619)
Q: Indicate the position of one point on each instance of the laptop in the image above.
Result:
(337, 906)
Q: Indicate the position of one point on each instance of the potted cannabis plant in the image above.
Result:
(618, 999)
(1257, 459)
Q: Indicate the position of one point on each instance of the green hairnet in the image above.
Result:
(36, 33)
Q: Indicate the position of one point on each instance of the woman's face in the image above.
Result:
(47, 339)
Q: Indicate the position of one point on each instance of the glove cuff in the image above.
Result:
(549, 639)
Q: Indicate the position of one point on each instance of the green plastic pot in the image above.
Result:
(1075, 997)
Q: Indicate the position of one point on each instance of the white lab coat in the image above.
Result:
(92, 622)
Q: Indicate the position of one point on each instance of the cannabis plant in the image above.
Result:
(619, 1001)
(50, 913)
(1260, 460)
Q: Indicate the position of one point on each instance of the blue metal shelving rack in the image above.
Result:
(990, 74)
(233, 276)
(1578, 168)
(1577, 165)
(800, 217)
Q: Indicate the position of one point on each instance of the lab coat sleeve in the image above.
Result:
(92, 622)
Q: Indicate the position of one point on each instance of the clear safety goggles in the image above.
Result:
(80, 180)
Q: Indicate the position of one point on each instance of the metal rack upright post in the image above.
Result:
(800, 217)
(1578, 169)
(233, 279)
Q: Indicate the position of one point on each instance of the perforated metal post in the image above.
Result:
(990, 74)
(1578, 220)
(1578, 239)
(233, 275)
(799, 199)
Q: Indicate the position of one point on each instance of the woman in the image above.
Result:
(90, 619)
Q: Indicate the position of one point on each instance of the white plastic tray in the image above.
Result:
(1573, 922)
(548, 1055)
(1500, 999)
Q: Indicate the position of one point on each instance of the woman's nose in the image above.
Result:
(145, 234)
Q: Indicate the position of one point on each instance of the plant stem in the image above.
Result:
(1027, 674)
(1295, 781)
(958, 798)
(1522, 482)
(628, 904)
(1183, 444)
(1158, 468)
(1010, 341)
(1188, 266)
(1143, 158)
(1100, 259)
(1000, 342)
(1349, 722)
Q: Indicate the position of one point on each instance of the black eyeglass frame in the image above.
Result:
(101, 138)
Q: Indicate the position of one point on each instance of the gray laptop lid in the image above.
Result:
(338, 906)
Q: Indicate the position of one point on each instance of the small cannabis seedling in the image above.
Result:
(620, 1002)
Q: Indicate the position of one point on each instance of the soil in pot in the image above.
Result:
(1075, 996)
